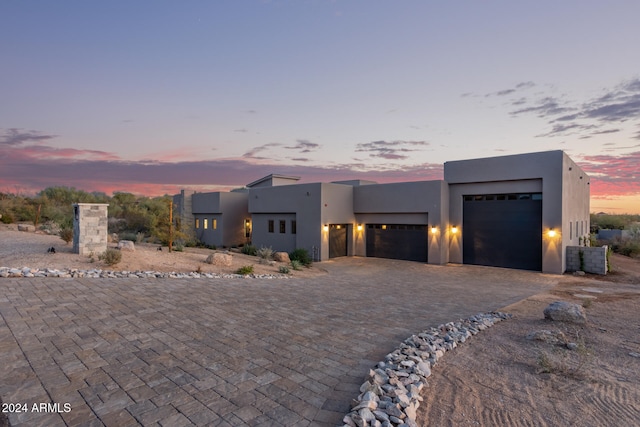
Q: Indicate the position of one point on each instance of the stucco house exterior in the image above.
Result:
(519, 211)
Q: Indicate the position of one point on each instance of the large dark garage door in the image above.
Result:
(503, 230)
(397, 241)
(337, 240)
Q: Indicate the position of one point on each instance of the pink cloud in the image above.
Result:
(613, 175)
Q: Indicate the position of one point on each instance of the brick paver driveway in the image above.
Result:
(125, 352)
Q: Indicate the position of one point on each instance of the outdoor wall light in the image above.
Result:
(359, 227)
(338, 226)
(384, 227)
(434, 229)
(325, 228)
(454, 229)
(551, 232)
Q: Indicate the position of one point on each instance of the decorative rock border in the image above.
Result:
(390, 396)
(109, 274)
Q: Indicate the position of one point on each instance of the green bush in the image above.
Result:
(66, 234)
(296, 265)
(301, 255)
(249, 250)
(7, 218)
(283, 269)
(627, 247)
(247, 269)
(111, 256)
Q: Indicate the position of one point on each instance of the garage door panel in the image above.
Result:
(503, 233)
(397, 241)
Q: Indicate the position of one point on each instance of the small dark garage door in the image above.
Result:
(337, 240)
(503, 230)
(397, 241)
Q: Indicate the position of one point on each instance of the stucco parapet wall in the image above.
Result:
(391, 393)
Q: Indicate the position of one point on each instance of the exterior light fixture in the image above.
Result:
(338, 226)
(454, 229)
(359, 227)
(325, 228)
(434, 229)
(551, 232)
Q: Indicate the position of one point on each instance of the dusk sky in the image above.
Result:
(153, 96)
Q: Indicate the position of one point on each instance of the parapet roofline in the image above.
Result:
(271, 177)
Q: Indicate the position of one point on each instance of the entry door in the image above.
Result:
(337, 240)
(503, 231)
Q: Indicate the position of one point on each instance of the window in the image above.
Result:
(214, 224)
(205, 223)
(570, 230)
(197, 222)
(270, 226)
(247, 228)
(283, 226)
(293, 226)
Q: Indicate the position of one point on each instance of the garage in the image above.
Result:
(397, 241)
(503, 230)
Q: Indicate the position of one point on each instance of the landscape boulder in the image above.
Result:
(217, 258)
(281, 257)
(126, 245)
(565, 312)
(26, 227)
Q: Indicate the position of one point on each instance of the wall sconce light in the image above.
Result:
(434, 229)
(551, 232)
(359, 227)
(454, 229)
(384, 227)
(338, 226)
(325, 228)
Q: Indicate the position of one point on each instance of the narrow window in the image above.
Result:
(570, 230)
(197, 222)
(205, 223)
(283, 226)
(214, 224)
(293, 226)
(270, 226)
(247, 228)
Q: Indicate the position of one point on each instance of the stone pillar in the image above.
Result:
(89, 228)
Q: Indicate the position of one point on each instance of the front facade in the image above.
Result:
(519, 211)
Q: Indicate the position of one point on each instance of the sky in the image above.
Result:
(152, 96)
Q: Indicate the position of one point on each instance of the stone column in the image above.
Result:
(89, 228)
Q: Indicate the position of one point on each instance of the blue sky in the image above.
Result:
(154, 96)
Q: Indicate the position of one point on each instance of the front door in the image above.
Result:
(337, 240)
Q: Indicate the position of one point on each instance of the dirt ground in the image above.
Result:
(28, 249)
(498, 378)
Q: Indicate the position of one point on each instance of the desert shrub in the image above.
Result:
(66, 234)
(178, 248)
(626, 247)
(265, 253)
(284, 269)
(296, 265)
(111, 256)
(247, 269)
(139, 237)
(7, 218)
(301, 255)
(249, 250)
(128, 236)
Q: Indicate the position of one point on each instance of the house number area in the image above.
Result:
(10, 408)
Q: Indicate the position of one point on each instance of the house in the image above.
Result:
(519, 211)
